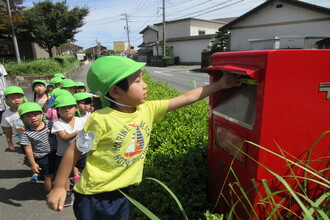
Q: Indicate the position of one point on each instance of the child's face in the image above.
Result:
(84, 106)
(67, 112)
(15, 100)
(80, 89)
(137, 90)
(33, 119)
(39, 88)
(50, 88)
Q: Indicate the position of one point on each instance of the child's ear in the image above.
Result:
(114, 93)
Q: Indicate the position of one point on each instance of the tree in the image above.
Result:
(17, 18)
(220, 42)
(52, 24)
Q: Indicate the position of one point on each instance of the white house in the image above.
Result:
(186, 39)
(279, 24)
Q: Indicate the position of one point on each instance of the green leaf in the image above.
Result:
(143, 209)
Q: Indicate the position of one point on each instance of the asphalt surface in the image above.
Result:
(20, 199)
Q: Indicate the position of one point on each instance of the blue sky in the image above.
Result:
(105, 22)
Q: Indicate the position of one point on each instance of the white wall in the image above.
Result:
(207, 26)
(189, 51)
(149, 36)
(271, 22)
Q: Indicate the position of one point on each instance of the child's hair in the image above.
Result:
(37, 82)
(123, 85)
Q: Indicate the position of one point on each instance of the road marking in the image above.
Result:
(161, 73)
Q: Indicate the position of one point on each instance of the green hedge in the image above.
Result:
(177, 157)
(167, 61)
(42, 66)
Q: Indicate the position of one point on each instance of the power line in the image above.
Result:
(208, 10)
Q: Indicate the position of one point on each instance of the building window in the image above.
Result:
(201, 32)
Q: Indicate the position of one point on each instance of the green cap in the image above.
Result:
(61, 75)
(107, 71)
(81, 96)
(13, 90)
(64, 100)
(58, 92)
(39, 81)
(80, 84)
(29, 107)
(66, 83)
(55, 80)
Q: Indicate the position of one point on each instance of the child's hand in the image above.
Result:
(11, 146)
(229, 80)
(56, 198)
(35, 168)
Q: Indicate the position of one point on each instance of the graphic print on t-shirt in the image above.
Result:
(136, 144)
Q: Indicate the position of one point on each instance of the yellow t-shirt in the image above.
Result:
(120, 146)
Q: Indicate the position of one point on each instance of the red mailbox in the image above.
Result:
(284, 101)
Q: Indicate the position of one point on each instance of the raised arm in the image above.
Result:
(228, 80)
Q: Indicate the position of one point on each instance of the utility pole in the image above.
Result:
(13, 34)
(164, 36)
(127, 30)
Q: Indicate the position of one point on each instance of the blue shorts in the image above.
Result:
(104, 206)
(47, 164)
(57, 162)
(81, 163)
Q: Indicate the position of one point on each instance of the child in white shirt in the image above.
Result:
(66, 129)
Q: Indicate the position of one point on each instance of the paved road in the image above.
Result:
(20, 199)
(183, 78)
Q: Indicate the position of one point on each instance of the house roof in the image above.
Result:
(225, 20)
(184, 19)
(154, 28)
(266, 3)
(95, 47)
(198, 37)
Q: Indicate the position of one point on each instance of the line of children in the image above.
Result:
(39, 137)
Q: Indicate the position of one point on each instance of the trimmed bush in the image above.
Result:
(177, 157)
(167, 61)
(42, 66)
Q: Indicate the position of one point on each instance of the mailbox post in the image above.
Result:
(284, 101)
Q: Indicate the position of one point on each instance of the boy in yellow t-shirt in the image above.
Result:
(116, 138)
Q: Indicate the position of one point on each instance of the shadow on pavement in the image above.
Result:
(9, 174)
(22, 192)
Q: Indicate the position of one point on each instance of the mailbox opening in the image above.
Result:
(238, 104)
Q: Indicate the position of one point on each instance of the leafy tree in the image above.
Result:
(220, 42)
(52, 24)
(17, 17)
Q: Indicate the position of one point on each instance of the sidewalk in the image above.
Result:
(20, 199)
